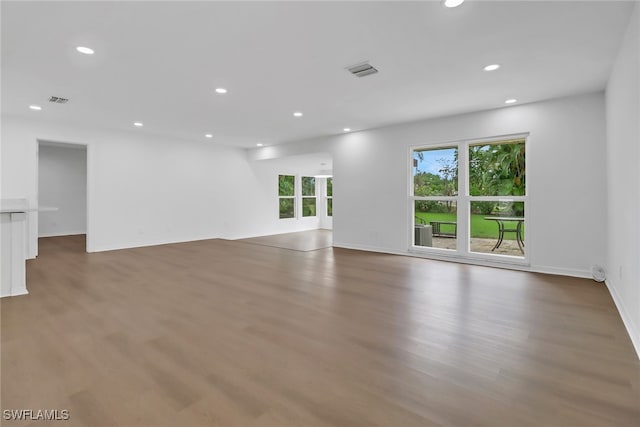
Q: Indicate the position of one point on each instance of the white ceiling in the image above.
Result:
(159, 62)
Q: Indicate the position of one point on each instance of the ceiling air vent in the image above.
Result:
(361, 70)
(58, 100)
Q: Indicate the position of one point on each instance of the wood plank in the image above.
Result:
(225, 333)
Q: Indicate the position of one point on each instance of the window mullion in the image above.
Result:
(462, 236)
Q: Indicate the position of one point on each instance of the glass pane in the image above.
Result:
(286, 185)
(497, 169)
(497, 228)
(435, 224)
(435, 172)
(309, 206)
(287, 208)
(330, 187)
(308, 186)
(329, 207)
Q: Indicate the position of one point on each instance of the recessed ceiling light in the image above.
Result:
(221, 90)
(453, 3)
(138, 124)
(259, 144)
(511, 101)
(297, 114)
(347, 129)
(492, 67)
(35, 107)
(85, 50)
(208, 135)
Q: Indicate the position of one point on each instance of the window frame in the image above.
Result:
(303, 197)
(294, 197)
(328, 197)
(463, 201)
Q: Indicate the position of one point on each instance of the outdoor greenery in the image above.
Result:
(287, 196)
(309, 206)
(494, 170)
(308, 186)
(497, 169)
(286, 191)
(443, 183)
(480, 227)
(287, 208)
(308, 196)
(329, 196)
(286, 185)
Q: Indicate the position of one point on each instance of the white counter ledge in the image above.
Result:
(13, 255)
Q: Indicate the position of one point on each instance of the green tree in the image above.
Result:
(286, 185)
(308, 186)
(497, 170)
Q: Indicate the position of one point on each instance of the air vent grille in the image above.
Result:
(58, 100)
(361, 70)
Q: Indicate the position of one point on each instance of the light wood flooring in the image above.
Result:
(223, 333)
(311, 240)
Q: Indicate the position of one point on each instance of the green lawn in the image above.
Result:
(480, 228)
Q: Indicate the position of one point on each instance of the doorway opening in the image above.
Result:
(62, 190)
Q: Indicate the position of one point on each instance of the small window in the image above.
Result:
(329, 196)
(308, 196)
(286, 196)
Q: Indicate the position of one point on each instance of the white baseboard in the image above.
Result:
(626, 319)
(367, 248)
(250, 235)
(132, 245)
(436, 257)
(16, 293)
(62, 233)
(571, 272)
(585, 274)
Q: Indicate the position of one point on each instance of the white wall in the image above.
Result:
(623, 180)
(148, 190)
(565, 168)
(62, 183)
(145, 190)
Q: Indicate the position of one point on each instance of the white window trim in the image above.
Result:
(463, 203)
(294, 197)
(327, 197)
(315, 196)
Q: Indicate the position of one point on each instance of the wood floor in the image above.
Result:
(311, 240)
(222, 333)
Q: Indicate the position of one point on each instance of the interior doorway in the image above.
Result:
(62, 189)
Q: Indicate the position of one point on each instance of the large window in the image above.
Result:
(308, 196)
(287, 196)
(469, 198)
(435, 189)
(497, 184)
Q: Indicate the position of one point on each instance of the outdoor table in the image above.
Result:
(500, 220)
